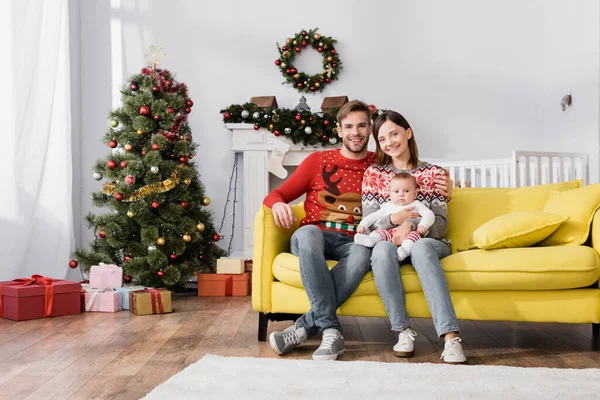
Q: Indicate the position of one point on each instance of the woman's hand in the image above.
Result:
(283, 215)
(401, 232)
(444, 185)
(400, 217)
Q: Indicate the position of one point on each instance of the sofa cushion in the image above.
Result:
(471, 207)
(516, 229)
(531, 268)
(578, 204)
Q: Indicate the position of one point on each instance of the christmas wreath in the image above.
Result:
(300, 80)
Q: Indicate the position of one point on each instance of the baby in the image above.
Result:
(403, 194)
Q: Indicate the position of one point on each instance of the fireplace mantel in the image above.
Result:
(263, 153)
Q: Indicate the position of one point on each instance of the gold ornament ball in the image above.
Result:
(200, 227)
(297, 76)
(186, 238)
(330, 59)
(289, 40)
(160, 241)
(187, 181)
(128, 147)
(316, 36)
(130, 214)
(205, 201)
(295, 42)
(303, 122)
(320, 44)
(317, 84)
(271, 127)
(140, 132)
(283, 65)
(324, 46)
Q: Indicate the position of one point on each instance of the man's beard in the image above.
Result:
(353, 148)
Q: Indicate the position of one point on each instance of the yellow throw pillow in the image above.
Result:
(578, 204)
(516, 229)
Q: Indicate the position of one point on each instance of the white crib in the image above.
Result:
(525, 168)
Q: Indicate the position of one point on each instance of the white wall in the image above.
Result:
(475, 79)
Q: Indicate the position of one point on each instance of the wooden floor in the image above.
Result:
(121, 356)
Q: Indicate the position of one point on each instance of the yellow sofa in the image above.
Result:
(537, 284)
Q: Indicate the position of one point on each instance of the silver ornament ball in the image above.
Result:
(333, 140)
(308, 130)
(97, 176)
(245, 114)
(118, 150)
(256, 115)
(288, 131)
(154, 169)
(151, 247)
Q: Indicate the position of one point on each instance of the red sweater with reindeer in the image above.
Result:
(332, 184)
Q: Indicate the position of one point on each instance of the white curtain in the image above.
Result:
(36, 213)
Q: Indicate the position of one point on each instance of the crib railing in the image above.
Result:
(525, 168)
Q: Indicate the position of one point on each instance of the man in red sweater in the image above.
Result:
(331, 180)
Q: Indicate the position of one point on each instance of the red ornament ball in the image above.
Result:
(324, 137)
(168, 83)
(160, 273)
(127, 279)
(327, 80)
(373, 108)
(171, 110)
(303, 43)
(298, 117)
(350, 219)
(188, 110)
(294, 71)
(278, 62)
(189, 103)
(155, 89)
(288, 71)
(73, 264)
(304, 33)
(226, 115)
(112, 144)
(183, 160)
(123, 164)
(201, 257)
(184, 204)
(127, 258)
(256, 127)
(320, 49)
(277, 133)
(101, 234)
(155, 146)
(134, 87)
(313, 89)
(156, 117)
(333, 51)
(173, 256)
(216, 237)
(298, 49)
(326, 122)
(146, 71)
(300, 85)
(118, 196)
(130, 179)
(155, 204)
(144, 110)
(111, 164)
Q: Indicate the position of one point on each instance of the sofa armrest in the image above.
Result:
(269, 241)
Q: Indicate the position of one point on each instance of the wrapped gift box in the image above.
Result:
(102, 300)
(106, 276)
(226, 265)
(39, 297)
(150, 301)
(125, 290)
(210, 285)
(248, 265)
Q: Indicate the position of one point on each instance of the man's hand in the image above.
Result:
(404, 215)
(361, 229)
(444, 185)
(283, 215)
(401, 233)
(422, 230)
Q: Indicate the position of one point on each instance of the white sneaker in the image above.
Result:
(406, 343)
(365, 240)
(453, 352)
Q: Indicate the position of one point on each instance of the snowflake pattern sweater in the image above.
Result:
(332, 184)
(376, 192)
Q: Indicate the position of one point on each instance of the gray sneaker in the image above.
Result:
(287, 340)
(332, 345)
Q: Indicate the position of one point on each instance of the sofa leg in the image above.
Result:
(263, 324)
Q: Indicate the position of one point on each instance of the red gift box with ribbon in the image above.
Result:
(38, 297)
(210, 284)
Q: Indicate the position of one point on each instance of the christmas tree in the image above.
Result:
(158, 228)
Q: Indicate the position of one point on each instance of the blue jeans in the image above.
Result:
(327, 290)
(425, 257)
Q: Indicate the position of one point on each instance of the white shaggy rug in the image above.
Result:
(215, 377)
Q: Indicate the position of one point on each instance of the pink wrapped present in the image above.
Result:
(106, 276)
(102, 300)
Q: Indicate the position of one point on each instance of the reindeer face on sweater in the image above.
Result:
(339, 207)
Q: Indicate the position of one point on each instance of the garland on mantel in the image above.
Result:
(298, 126)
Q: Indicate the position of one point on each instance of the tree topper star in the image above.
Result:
(155, 55)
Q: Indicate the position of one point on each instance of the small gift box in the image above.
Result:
(125, 290)
(38, 297)
(106, 276)
(101, 300)
(226, 265)
(150, 301)
(248, 265)
(210, 285)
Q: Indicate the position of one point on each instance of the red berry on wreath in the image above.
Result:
(160, 273)
(171, 110)
(226, 115)
(111, 164)
(256, 127)
(303, 43)
(216, 237)
(112, 144)
(134, 87)
(102, 234)
(123, 164)
(127, 279)
(144, 110)
(278, 62)
(184, 204)
(298, 116)
(73, 264)
(188, 110)
(277, 133)
(155, 89)
(118, 196)
(155, 204)
(155, 146)
(189, 103)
